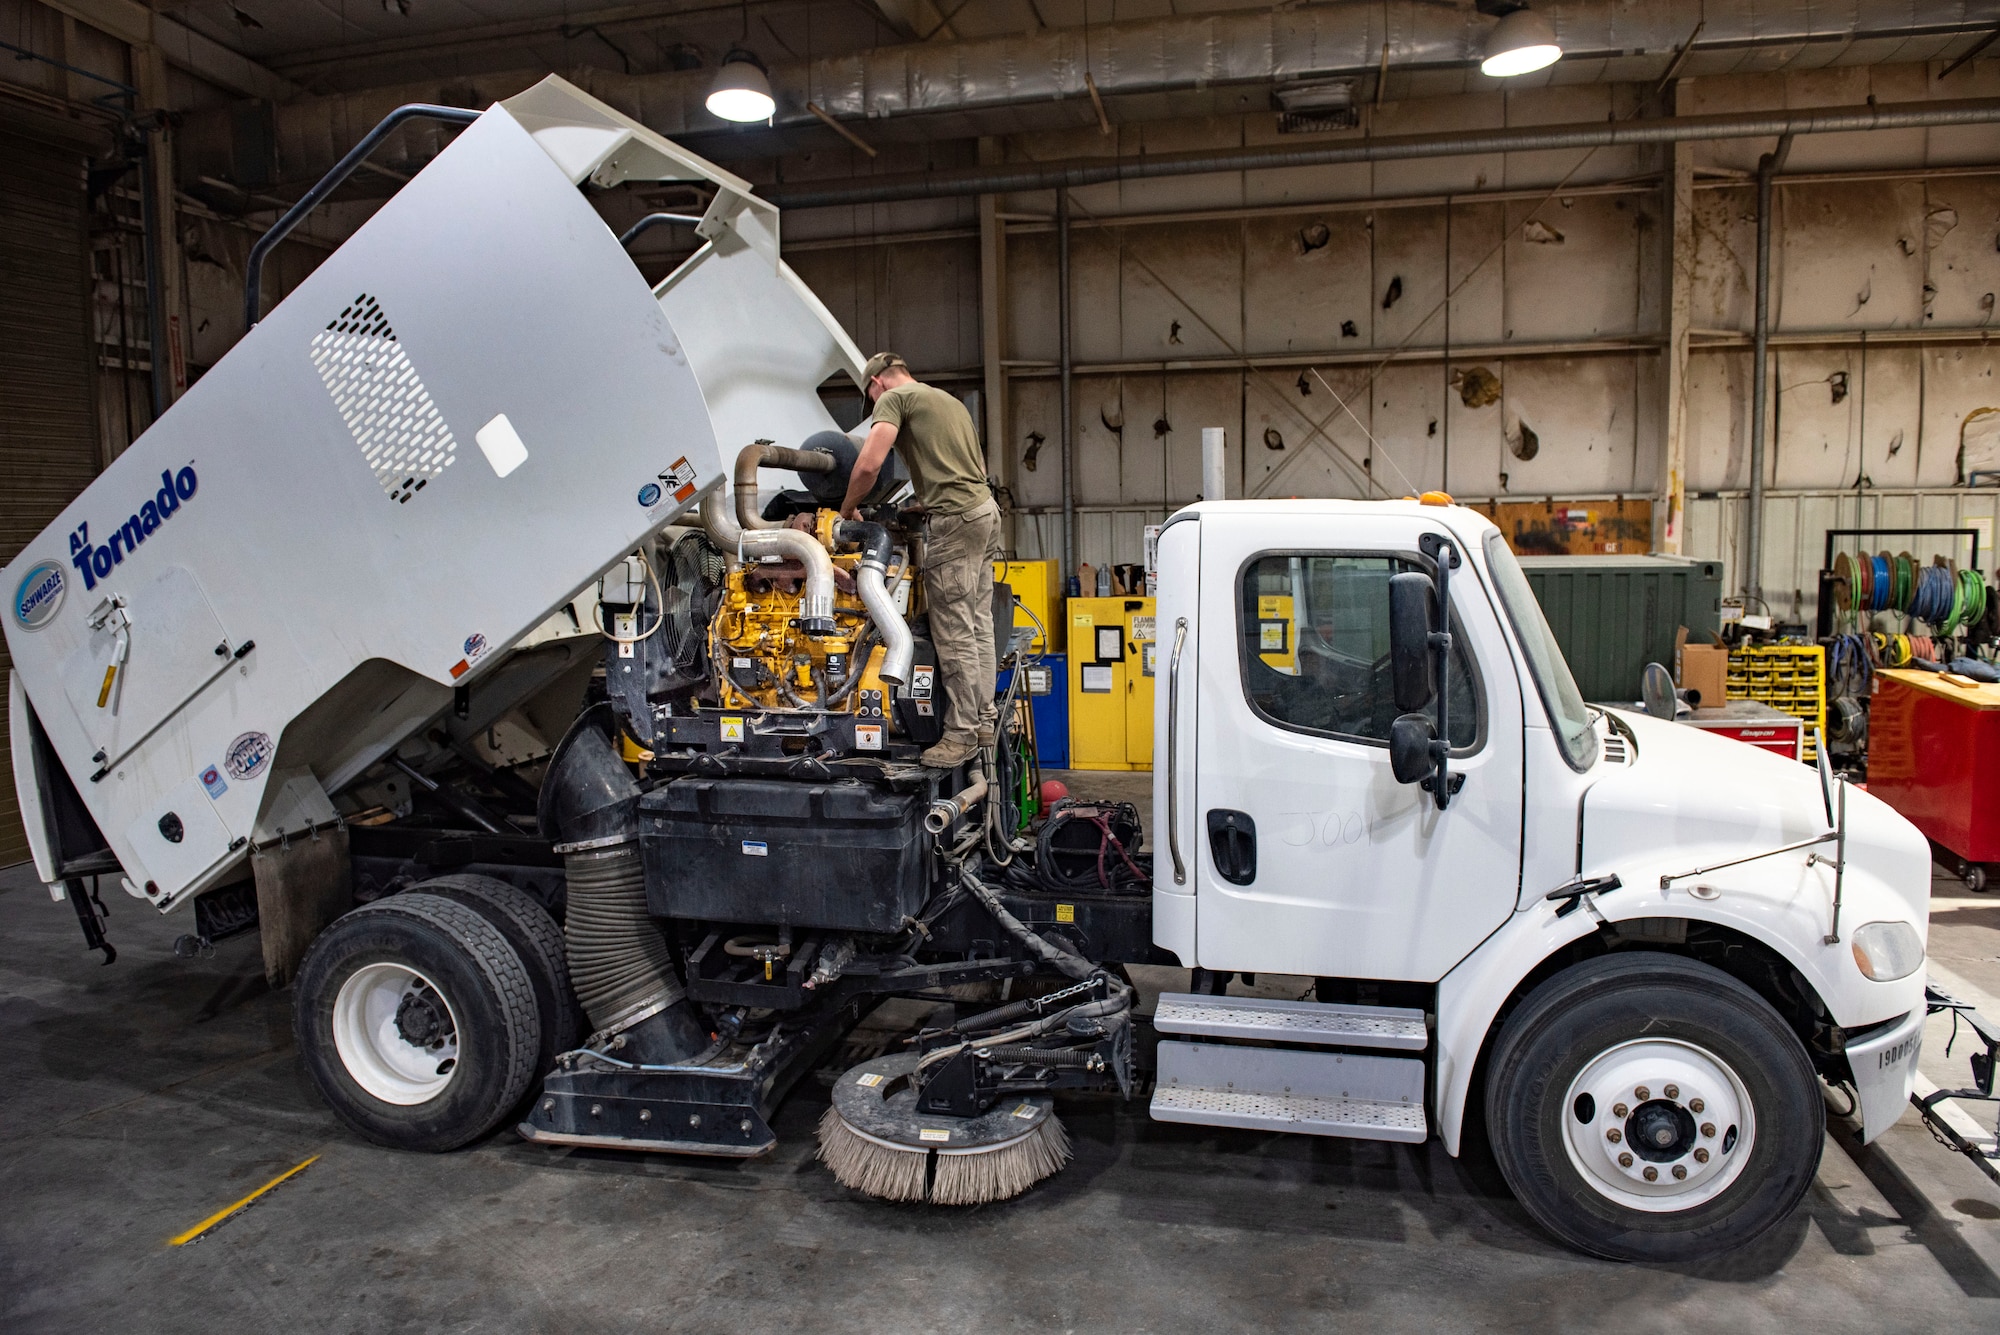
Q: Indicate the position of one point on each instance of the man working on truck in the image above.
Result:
(934, 435)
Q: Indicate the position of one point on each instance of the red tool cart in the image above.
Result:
(1934, 755)
(1761, 726)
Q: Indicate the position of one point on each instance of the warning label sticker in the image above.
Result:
(868, 736)
(933, 1134)
(868, 1079)
(732, 727)
(679, 480)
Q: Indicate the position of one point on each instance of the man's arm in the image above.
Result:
(867, 468)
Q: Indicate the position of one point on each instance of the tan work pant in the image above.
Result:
(958, 592)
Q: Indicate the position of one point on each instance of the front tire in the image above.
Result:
(1647, 1107)
(417, 1021)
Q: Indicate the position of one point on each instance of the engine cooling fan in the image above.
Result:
(691, 574)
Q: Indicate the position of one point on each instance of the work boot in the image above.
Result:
(988, 735)
(951, 751)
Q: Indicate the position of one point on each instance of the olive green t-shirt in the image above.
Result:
(935, 436)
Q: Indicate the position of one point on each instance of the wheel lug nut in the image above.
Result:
(1708, 1129)
(1614, 1135)
(1624, 1161)
(1643, 1093)
(1679, 1172)
(1651, 1175)
(1701, 1156)
(1620, 1110)
(1696, 1105)
(1673, 1091)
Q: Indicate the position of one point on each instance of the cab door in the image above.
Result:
(1312, 858)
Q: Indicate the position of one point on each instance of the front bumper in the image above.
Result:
(1885, 1067)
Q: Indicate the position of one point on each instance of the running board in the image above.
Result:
(1309, 1022)
(1278, 1089)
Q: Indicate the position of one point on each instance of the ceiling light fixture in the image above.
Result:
(1521, 44)
(742, 90)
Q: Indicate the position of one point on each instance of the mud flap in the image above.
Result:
(303, 884)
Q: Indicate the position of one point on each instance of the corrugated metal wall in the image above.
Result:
(48, 430)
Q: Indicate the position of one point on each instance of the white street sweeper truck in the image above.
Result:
(573, 786)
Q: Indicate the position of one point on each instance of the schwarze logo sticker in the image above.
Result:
(40, 594)
(649, 495)
(247, 755)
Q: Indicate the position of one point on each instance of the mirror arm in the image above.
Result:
(1442, 784)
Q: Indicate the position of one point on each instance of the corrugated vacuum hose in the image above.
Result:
(619, 963)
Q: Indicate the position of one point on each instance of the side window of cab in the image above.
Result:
(1314, 635)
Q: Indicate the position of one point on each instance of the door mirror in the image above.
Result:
(1412, 666)
(1827, 781)
(1656, 688)
(1410, 738)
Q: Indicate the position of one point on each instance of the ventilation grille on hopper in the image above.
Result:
(382, 399)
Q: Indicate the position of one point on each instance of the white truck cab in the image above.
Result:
(1641, 946)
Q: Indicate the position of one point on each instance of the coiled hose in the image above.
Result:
(618, 961)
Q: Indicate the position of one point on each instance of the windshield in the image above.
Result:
(1569, 718)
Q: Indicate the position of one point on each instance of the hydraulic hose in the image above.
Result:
(757, 455)
(1064, 963)
(871, 582)
(816, 609)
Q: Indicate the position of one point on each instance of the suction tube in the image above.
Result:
(760, 455)
(871, 582)
(816, 613)
(618, 961)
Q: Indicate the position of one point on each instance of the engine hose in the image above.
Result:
(871, 582)
(618, 961)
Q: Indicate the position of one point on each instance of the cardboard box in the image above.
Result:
(1703, 668)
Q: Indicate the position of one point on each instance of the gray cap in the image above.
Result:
(879, 363)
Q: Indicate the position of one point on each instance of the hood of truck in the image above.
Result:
(1691, 799)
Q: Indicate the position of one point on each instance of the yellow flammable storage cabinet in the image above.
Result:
(1039, 588)
(1113, 657)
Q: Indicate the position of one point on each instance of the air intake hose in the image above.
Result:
(871, 583)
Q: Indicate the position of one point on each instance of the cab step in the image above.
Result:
(1343, 1094)
(1308, 1022)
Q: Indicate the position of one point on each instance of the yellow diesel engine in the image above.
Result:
(755, 638)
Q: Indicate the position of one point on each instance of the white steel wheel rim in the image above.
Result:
(373, 1048)
(1663, 1085)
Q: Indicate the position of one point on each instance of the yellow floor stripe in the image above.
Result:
(182, 1239)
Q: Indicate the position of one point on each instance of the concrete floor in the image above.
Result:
(140, 1098)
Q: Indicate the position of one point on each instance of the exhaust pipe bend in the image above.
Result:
(871, 582)
(760, 455)
(816, 611)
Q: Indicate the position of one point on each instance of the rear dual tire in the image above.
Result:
(418, 1021)
(1652, 1108)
